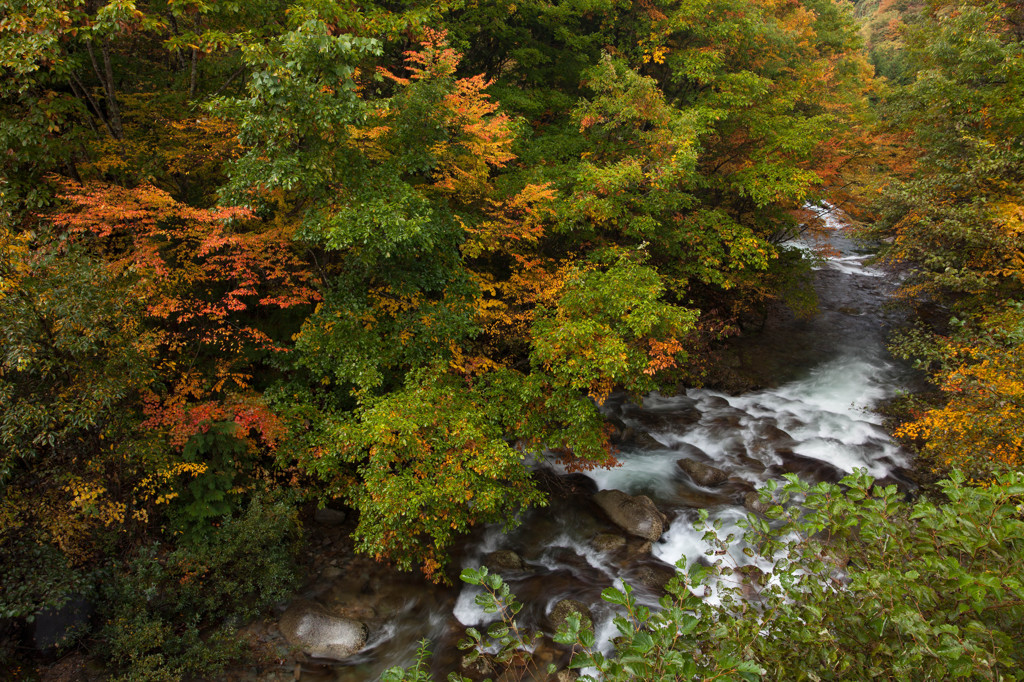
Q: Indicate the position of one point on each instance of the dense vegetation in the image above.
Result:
(258, 254)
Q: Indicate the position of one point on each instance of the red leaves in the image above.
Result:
(199, 269)
(183, 420)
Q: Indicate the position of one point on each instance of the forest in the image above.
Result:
(261, 257)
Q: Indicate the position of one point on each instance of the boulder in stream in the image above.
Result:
(319, 633)
(636, 515)
(504, 561)
(752, 502)
(481, 667)
(329, 517)
(702, 473)
(654, 575)
(565, 607)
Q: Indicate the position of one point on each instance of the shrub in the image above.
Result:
(174, 613)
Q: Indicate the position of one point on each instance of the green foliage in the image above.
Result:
(957, 216)
(487, 273)
(417, 672)
(611, 327)
(921, 591)
(37, 577)
(301, 96)
(953, 218)
(73, 351)
(503, 638)
(844, 581)
(209, 495)
(173, 614)
(430, 462)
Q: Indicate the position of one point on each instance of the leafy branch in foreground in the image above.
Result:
(846, 581)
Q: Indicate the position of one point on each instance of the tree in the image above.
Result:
(954, 221)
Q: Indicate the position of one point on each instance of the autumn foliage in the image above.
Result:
(391, 254)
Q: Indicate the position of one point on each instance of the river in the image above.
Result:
(824, 376)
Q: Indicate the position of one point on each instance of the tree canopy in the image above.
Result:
(259, 253)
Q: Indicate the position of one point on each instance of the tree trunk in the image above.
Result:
(193, 77)
(106, 78)
(115, 110)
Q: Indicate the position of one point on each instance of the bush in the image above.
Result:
(174, 614)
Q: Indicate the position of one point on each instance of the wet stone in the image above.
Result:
(808, 468)
(654, 575)
(690, 451)
(691, 496)
(317, 632)
(331, 573)
(608, 542)
(702, 473)
(636, 515)
(329, 517)
(564, 608)
(636, 548)
(504, 561)
(477, 668)
(752, 502)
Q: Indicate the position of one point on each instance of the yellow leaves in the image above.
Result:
(89, 500)
(370, 141)
(154, 487)
(385, 300)
(656, 55)
(512, 223)
(470, 365)
(15, 259)
(981, 423)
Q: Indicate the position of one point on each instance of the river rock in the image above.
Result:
(480, 668)
(690, 451)
(608, 542)
(702, 473)
(503, 561)
(331, 573)
(319, 633)
(752, 502)
(690, 495)
(564, 608)
(654, 575)
(563, 485)
(636, 548)
(775, 437)
(807, 468)
(636, 515)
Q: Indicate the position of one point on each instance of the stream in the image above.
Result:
(826, 374)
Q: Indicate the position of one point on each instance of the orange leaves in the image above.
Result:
(198, 268)
(511, 224)
(979, 424)
(662, 354)
(183, 419)
(479, 139)
(434, 60)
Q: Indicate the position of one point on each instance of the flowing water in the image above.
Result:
(827, 373)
